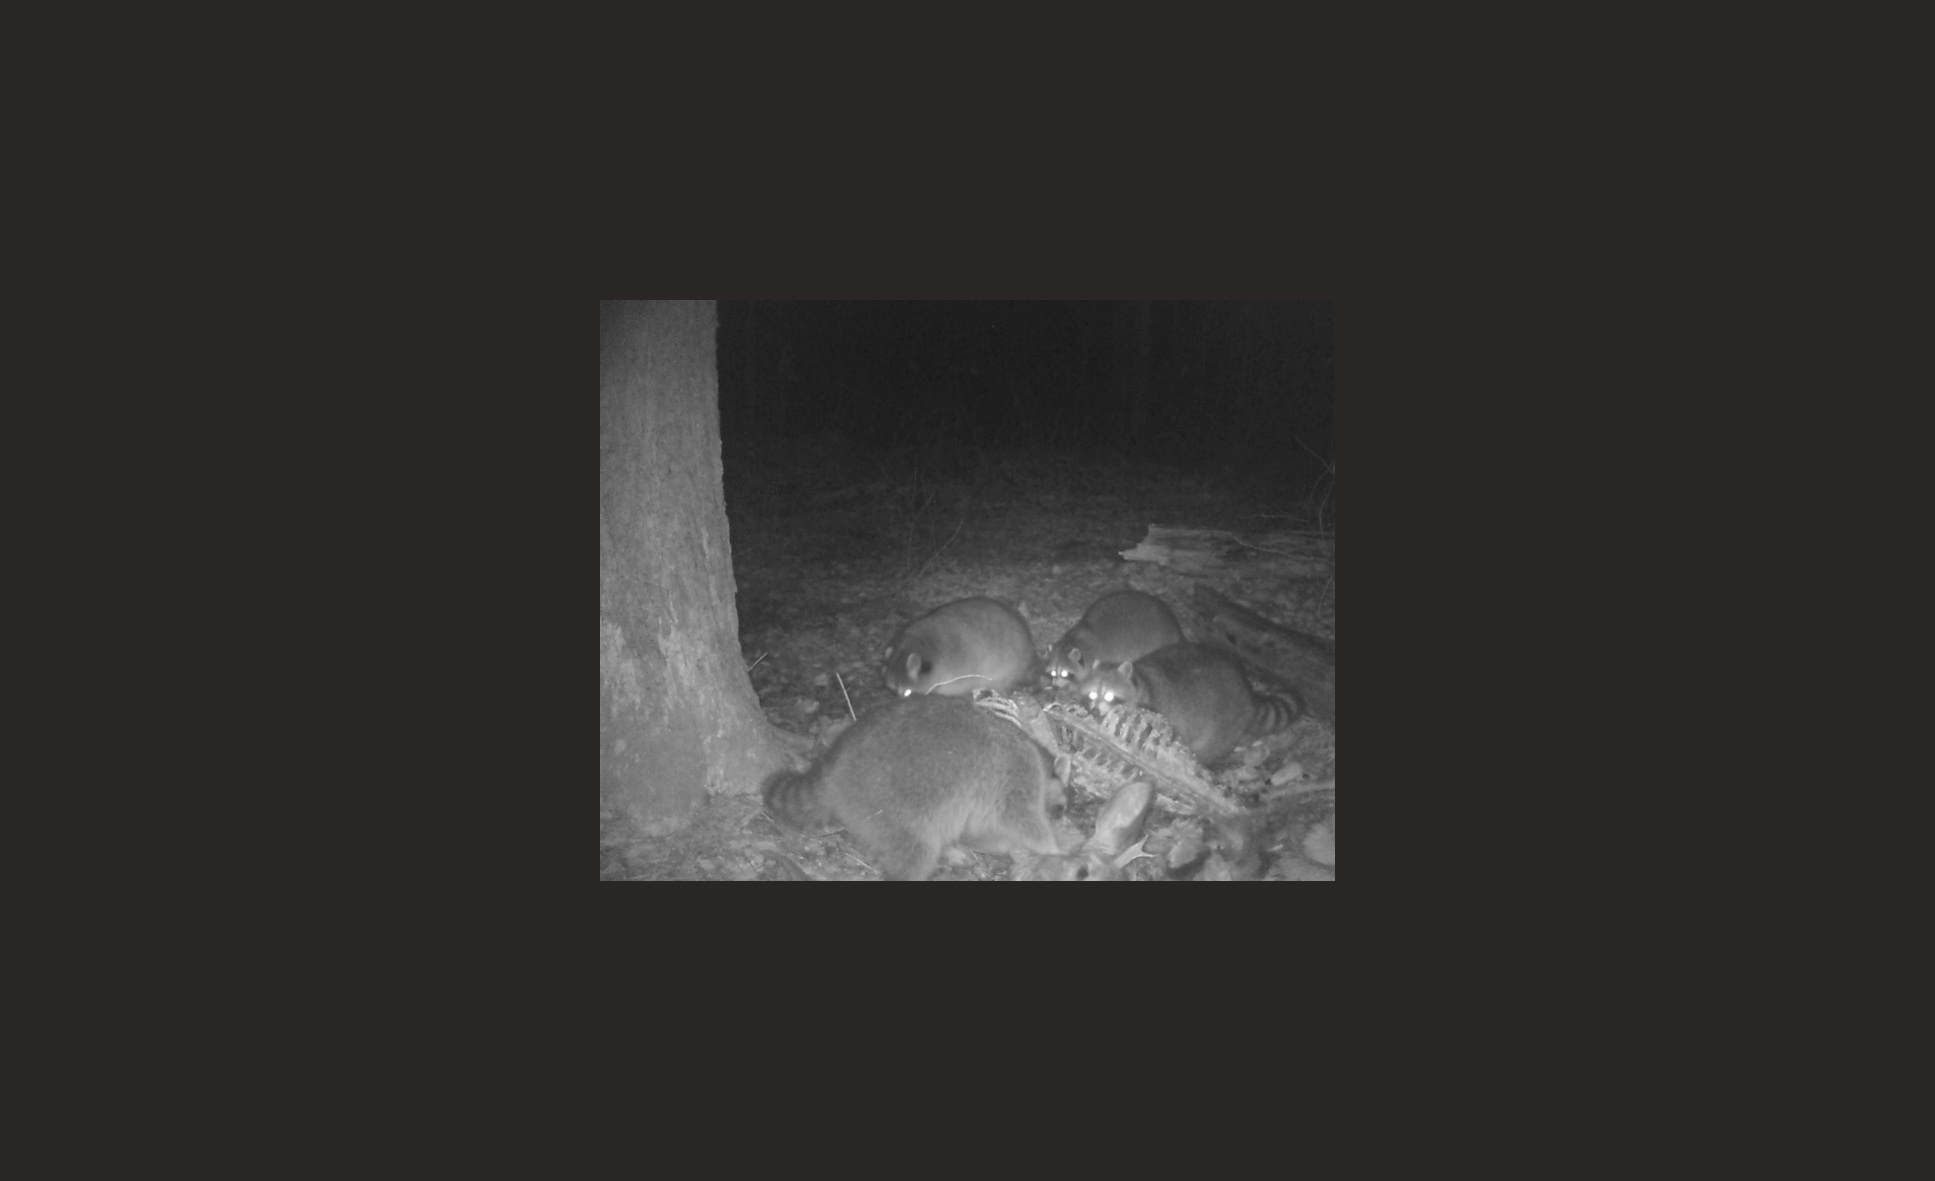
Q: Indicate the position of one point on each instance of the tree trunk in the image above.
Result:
(678, 717)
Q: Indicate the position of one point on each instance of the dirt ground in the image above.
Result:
(833, 552)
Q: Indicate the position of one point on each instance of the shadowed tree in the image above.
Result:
(677, 714)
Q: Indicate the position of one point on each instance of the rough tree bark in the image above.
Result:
(678, 717)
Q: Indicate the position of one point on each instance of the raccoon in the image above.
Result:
(954, 650)
(920, 775)
(1201, 690)
(1117, 627)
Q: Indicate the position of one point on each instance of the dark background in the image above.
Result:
(1241, 390)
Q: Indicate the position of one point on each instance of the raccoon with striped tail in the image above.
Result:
(955, 649)
(1204, 693)
(922, 775)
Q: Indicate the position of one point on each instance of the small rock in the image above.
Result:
(1320, 843)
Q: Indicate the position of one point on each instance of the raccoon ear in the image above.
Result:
(1126, 668)
(913, 665)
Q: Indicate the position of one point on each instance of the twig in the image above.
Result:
(1296, 789)
(1329, 465)
(937, 553)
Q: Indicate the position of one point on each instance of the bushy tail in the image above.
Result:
(794, 798)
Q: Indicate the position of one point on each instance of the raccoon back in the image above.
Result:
(955, 649)
(1120, 626)
(1201, 690)
(923, 773)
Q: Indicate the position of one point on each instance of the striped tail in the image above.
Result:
(794, 798)
(1274, 715)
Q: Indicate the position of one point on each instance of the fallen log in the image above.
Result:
(1203, 551)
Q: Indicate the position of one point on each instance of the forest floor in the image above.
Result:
(833, 554)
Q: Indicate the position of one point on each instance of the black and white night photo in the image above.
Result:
(967, 591)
